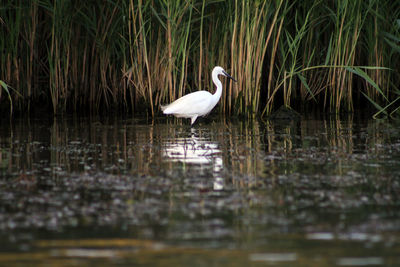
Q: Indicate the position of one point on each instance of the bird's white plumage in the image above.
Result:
(198, 103)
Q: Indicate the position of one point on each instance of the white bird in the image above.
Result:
(198, 103)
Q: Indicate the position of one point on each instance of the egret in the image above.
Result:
(198, 103)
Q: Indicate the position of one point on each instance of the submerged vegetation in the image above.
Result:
(136, 55)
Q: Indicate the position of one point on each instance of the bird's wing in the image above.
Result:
(193, 103)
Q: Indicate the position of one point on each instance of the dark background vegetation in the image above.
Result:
(134, 55)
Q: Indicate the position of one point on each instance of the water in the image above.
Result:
(110, 191)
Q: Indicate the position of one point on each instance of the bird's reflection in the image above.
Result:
(197, 151)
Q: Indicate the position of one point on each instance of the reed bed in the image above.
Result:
(134, 55)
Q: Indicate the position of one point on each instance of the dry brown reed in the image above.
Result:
(136, 55)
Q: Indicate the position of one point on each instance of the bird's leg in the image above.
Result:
(193, 119)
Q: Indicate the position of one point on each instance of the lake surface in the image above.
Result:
(112, 191)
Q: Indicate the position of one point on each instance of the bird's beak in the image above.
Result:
(229, 76)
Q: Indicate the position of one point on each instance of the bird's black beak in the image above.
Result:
(229, 76)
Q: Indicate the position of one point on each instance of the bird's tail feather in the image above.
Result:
(163, 107)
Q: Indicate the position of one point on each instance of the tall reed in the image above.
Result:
(253, 25)
(136, 55)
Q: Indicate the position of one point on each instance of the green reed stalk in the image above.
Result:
(12, 23)
(4, 86)
(252, 27)
(199, 82)
(59, 51)
(139, 54)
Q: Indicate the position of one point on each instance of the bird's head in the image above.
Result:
(220, 71)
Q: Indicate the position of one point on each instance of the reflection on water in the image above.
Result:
(220, 193)
(196, 150)
(126, 147)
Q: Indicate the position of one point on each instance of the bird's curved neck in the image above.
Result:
(217, 82)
